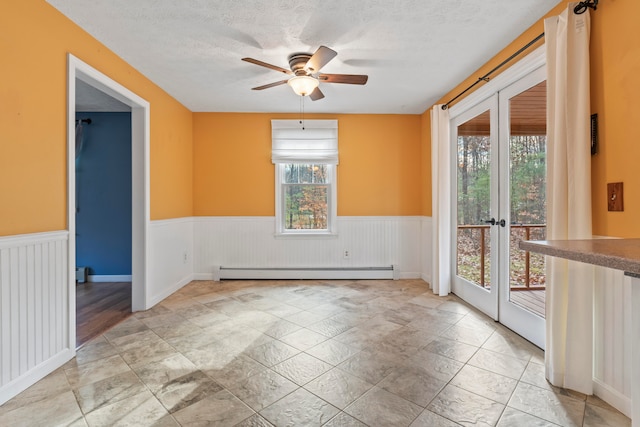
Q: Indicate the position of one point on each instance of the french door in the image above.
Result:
(499, 186)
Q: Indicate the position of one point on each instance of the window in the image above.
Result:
(306, 160)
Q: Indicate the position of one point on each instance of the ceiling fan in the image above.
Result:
(305, 72)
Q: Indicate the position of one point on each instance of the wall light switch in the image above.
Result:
(615, 199)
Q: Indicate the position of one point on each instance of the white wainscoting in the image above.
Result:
(426, 249)
(250, 242)
(612, 343)
(35, 296)
(171, 255)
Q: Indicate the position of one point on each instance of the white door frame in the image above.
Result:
(483, 299)
(515, 318)
(140, 129)
(530, 63)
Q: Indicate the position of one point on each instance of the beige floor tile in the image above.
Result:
(95, 371)
(455, 350)
(186, 390)
(272, 353)
(153, 352)
(301, 368)
(371, 366)
(301, 351)
(93, 350)
(179, 329)
(138, 339)
(499, 363)
(299, 408)
(262, 389)
(235, 371)
(440, 367)
(467, 335)
(303, 339)
(378, 407)
(545, 404)
(329, 327)
(514, 418)
(510, 344)
(53, 384)
(430, 419)
(304, 318)
(338, 387)
(332, 351)
(466, 408)
(59, 409)
(157, 374)
(414, 384)
(344, 420)
(488, 384)
(278, 329)
(109, 390)
(596, 416)
(140, 410)
(255, 420)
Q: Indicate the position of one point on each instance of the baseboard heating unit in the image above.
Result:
(327, 273)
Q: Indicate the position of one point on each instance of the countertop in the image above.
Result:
(619, 254)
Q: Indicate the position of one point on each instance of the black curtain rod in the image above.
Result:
(578, 10)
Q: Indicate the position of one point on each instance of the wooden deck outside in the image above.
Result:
(532, 300)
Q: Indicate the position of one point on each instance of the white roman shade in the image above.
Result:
(316, 142)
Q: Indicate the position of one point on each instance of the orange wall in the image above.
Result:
(615, 95)
(379, 171)
(426, 162)
(34, 42)
(615, 91)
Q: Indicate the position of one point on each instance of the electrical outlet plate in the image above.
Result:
(615, 199)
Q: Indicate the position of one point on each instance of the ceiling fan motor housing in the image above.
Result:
(297, 62)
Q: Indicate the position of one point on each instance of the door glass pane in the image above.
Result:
(473, 180)
(527, 174)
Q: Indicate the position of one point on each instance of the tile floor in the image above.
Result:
(333, 353)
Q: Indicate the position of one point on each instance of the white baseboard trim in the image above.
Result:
(305, 273)
(108, 278)
(29, 378)
(203, 276)
(408, 275)
(613, 397)
(155, 299)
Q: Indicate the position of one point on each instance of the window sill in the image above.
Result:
(306, 235)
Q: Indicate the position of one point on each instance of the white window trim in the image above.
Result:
(331, 229)
(328, 155)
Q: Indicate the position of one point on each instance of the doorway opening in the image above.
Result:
(89, 79)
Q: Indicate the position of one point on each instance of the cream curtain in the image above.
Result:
(569, 353)
(441, 201)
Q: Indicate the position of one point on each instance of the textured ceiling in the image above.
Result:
(414, 51)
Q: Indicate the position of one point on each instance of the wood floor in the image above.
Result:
(99, 306)
(533, 301)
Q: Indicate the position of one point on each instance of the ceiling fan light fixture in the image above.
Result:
(303, 85)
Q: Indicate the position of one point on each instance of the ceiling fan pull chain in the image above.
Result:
(302, 111)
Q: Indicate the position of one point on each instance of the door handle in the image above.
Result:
(492, 221)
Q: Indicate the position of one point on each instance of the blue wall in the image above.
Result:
(103, 202)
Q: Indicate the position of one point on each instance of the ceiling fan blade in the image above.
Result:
(264, 64)
(316, 94)
(352, 79)
(319, 59)
(281, 82)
